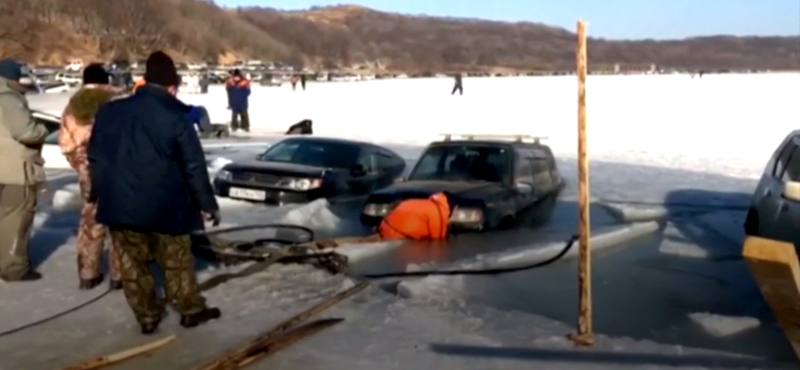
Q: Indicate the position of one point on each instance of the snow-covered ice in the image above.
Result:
(681, 299)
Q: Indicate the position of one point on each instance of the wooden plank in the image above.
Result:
(776, 269)
(118, 357)
(284, 341)
(238, 354)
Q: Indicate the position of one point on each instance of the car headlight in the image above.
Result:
(466, 215)
(300, 184)
(223, 175)
(377, 209)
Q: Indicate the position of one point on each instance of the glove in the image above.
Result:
(213, 217)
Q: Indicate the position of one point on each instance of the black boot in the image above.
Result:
(150, 327)
(87, 284)
(31, 276)
(115, 284)
(190, 321)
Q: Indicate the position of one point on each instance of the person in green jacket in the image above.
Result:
(21, 173)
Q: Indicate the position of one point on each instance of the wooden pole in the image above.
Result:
(584, 336)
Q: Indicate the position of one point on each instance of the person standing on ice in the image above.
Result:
(21, 174)
(303, 81)
(238, 89)
(76, 127)
(152, 189)
(457, 86)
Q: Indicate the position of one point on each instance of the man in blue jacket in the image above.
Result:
(152, 189)
(238, 89)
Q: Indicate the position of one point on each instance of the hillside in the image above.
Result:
(56, 30)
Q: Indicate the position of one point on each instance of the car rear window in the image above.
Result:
(313, 153)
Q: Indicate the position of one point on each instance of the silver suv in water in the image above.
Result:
(775, 212)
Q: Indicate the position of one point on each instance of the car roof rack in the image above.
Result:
(514, 137)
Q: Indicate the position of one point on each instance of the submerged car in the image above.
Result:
(775, 210)
(491, 180)
(302, 169)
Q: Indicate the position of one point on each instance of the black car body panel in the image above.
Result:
(305, 168)
(522, 175)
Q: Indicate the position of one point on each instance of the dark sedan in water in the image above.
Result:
(302, 169)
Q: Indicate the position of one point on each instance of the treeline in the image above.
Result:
(342, 36)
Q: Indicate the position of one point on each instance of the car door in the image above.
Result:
(770, 203)
(788, 220)
(363, 182)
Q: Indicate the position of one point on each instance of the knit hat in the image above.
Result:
(10, 69)
(95, 74)
(160, 70)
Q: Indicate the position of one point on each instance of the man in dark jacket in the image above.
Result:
(151, 186)
(238, 89)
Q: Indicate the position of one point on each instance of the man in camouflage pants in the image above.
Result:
(151, 185)
(76, 127)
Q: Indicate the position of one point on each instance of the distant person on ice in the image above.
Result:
(457, 86)
(294, 81)
(303, 81)
(152, 189)
(238, 89)
(21, 174)
(76, 128)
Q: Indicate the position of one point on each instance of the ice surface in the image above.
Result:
(723, 326)
(671, 158)
(622, 107)
(68, 198)
(438, 287)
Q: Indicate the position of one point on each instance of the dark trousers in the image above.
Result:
(458, 88)
(235, 120)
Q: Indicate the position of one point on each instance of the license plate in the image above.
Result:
(249, 194)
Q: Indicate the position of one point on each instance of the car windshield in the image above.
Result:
(313, 153)
(462, 163)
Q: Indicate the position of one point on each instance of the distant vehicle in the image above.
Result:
(491, 180)
(69, 78)
(775, 210)
(302, 169)
(75, 66)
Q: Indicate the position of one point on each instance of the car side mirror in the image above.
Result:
(357, 171)
(791, 191)
(523, 188)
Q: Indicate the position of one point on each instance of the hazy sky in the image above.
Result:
(618, 19)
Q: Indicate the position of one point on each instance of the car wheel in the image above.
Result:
(751, 223)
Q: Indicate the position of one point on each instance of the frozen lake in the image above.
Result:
(663, 300)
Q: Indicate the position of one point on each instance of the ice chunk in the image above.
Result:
(723, 326)
(68, 199)
(432, 287)
(681, 249)
(360, 252)
(634, 213)
(315, 215)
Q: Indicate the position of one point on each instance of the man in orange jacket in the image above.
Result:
(418, 219)
(413, 220)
